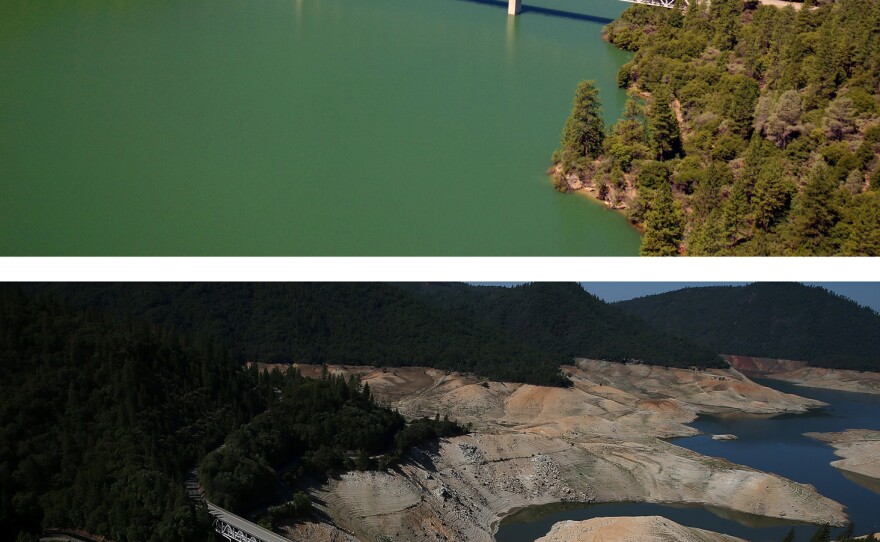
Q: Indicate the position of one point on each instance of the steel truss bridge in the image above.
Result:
(514, 7)
(237, 529)
(660, 3)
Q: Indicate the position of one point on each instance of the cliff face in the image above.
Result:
(596, 441)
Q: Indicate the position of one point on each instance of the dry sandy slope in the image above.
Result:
(630, 529)
(859, 448)
(799, 373)
(595, 441)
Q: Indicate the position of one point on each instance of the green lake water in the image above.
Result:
(297, 127)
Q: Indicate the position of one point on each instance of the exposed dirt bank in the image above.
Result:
(859, 448)
(630, 529)
(599, 440)
(799, 373)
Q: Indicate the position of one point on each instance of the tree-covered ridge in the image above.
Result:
(100, 418)
(354, 323)
(772, 320)
(564, 319)
(312, 429)
(103, 417)
(762, 123)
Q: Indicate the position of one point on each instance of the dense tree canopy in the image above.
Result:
(357, 324)
(312, 429)
(103, 416)
(783, 321)
(565, 319)
(779, 123)
(100, 418)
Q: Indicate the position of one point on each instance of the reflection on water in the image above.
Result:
(222, 127)
(512, 22)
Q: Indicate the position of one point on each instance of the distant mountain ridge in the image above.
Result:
(771, 320)
(346, 323)
(521, 334)
(565, 319)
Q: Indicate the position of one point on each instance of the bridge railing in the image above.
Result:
(238, 529)
(660, 3)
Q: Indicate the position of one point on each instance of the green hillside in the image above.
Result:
(355, 323)
(565, 319)
(102, 418)
(774, 320)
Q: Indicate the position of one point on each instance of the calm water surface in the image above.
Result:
(769, 444)
(297, 127)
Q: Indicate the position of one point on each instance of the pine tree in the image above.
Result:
(790, 536)
(663, 225)
(584, 130)
(814, 214)
(663, 125)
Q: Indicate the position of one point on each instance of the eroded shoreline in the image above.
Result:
(600, 440)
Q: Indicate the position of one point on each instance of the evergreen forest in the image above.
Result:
(771, 320)
(565, 319)
(103, 417)
(518, 334)
(750, 129)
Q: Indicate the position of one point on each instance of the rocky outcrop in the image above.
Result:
(630, 529)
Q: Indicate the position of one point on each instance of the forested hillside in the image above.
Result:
(102, 417)
(773, 320)
(565, 319)
(750, 129)
(358, 324)
(312, 429)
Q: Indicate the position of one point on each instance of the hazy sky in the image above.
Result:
(863, 293)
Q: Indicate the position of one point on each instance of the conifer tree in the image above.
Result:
(584, 130)
(663, 126)
(663, 225)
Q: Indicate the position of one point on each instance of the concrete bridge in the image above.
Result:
(514, 7)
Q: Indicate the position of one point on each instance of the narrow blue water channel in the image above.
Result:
(772, 444)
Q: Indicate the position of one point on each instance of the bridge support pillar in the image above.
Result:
(514, 7)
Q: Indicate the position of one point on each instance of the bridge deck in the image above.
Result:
(244, 525)
(659, 3)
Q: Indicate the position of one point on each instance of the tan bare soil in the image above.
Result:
(599, 440)
(799, 373)
(630, 529)
(782, 3)
(859, 448)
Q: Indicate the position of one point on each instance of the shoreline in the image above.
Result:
(801, 374)
(599, 441)
(589, 194)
